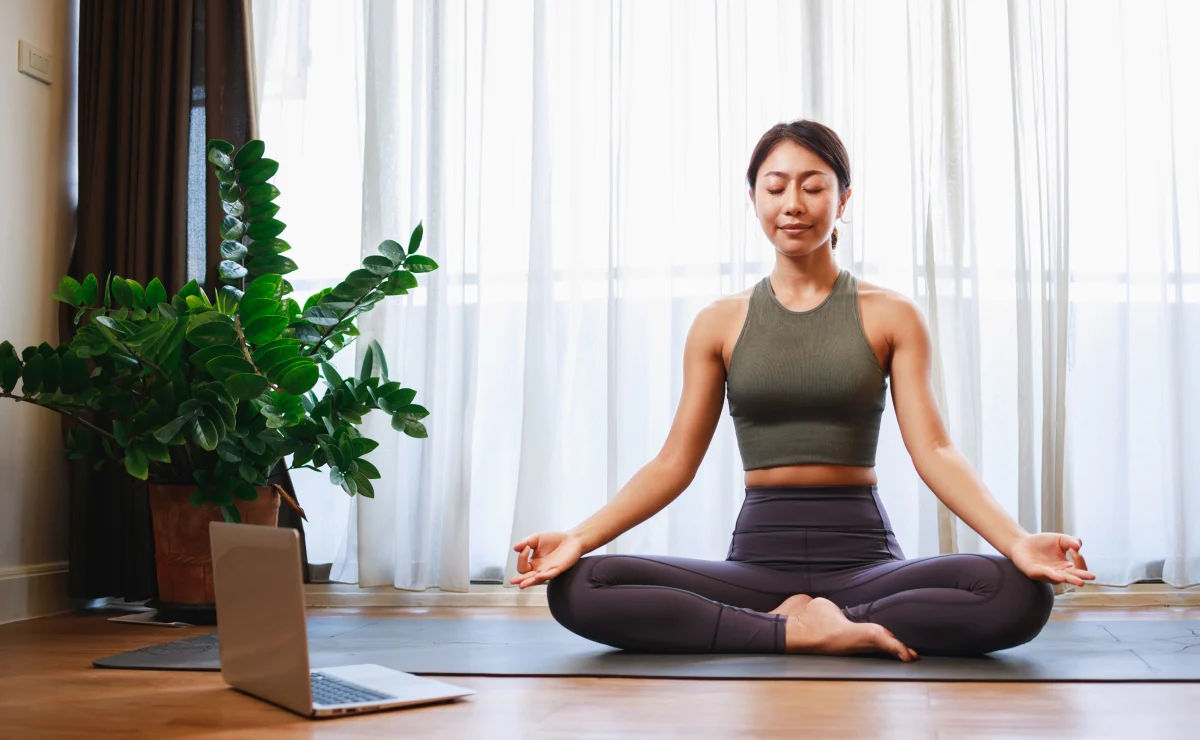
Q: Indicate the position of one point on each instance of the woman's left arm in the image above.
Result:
(947, 473)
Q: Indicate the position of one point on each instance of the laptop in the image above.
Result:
(263, 634)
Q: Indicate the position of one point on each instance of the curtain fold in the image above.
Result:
(1026, 172)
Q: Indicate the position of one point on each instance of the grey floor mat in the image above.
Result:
(1064, 651)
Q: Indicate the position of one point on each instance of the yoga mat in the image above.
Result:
(1064, 651)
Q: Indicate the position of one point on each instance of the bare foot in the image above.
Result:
(821, 628)
(793, 605)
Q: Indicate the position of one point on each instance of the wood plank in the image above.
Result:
(49, 689)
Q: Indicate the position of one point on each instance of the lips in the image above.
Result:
(795, 227)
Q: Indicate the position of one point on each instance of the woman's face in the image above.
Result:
(796, 188)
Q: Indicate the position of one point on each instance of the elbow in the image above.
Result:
(926, 454)
(677, 472)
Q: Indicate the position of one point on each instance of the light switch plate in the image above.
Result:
(35, 62)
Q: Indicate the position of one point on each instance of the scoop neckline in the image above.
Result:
(818, 307)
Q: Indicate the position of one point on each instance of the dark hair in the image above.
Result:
(815, 137)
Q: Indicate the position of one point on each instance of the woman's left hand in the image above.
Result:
(1051, 557)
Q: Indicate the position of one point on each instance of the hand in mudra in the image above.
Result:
(553, 553)
(1051, 557)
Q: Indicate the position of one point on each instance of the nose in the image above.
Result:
(793, 202)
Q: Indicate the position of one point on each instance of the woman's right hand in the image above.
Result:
(553, 553)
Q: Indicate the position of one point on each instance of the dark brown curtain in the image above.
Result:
(157, 80)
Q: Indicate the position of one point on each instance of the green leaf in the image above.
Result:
(70, 291)
(10, 372)
(257, 195)
(393, 251)
(244, 491)
(232, 250)
(246, 386)
(248, 473)
(229, 452)
(268, 247)
(414, 241)
(259, 172)
(265, 286)
(231, 514)
(90, 290)
(300, 379)
(264, 329)
(249, 310)
(232, 228)
(168, 431)
(136, 463)
(204, 433)
(379, 357)
(223, 368)
(411, 428)
(155, 293)
(322, 316)
(268, 229)
(268, 360)
(368, 470)
(363, 486)
(420, 263)
(305, 332)
(332, 378)
(32, 377)
(368, 363)
(249, 155)
(122, 293)
(230, 270)
(227, 177)
(229, 192)
(203, 356)
(412, 412)
(155, 450)
(378, 264)
(220, 159)
(274, 264)
(211, 328)
(220, 145)
(349, 292)
(404, 279)
(51, 373)
(261, 213)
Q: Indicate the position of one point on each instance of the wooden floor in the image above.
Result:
(49, 689)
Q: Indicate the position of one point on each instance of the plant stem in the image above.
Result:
(329, 329)
(76, 417)
(237, 326)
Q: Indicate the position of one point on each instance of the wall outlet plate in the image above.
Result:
(35, 62)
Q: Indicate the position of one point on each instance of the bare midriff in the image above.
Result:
(811, 475)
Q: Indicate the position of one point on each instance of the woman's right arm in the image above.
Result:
(660, 481)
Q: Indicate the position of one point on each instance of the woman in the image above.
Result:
(813, 566)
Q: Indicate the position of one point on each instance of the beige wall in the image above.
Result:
(36, 232)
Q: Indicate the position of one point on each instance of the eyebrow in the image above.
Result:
(802, 174)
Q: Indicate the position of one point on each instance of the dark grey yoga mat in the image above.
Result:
(1064, 651)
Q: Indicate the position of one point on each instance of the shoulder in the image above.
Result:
(715, 322)
(896, 313)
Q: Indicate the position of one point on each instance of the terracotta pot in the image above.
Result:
(181, 547)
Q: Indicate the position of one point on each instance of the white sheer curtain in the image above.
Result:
(1029, 172)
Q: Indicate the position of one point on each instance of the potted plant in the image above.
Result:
(202, 395)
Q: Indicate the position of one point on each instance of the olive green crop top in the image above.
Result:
(805, 386)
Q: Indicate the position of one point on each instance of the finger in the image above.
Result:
(521, 545)
(1080, 562)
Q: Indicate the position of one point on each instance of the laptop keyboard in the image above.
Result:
(327, 690)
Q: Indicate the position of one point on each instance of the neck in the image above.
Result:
(806, 275)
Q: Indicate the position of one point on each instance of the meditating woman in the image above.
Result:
(813, 565)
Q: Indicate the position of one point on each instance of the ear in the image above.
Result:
(842, 205)
(752, 201)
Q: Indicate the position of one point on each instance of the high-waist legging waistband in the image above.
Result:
(813, 527)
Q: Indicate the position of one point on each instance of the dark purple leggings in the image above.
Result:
(834, 542)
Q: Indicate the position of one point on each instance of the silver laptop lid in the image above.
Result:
(260, 612)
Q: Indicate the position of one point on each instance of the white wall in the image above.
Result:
(37, 180)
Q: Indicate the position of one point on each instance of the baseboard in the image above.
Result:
(350, 595)
(29, 591)
(1134, 595)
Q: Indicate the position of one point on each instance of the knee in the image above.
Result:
(1021, 605)
(564, 592)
